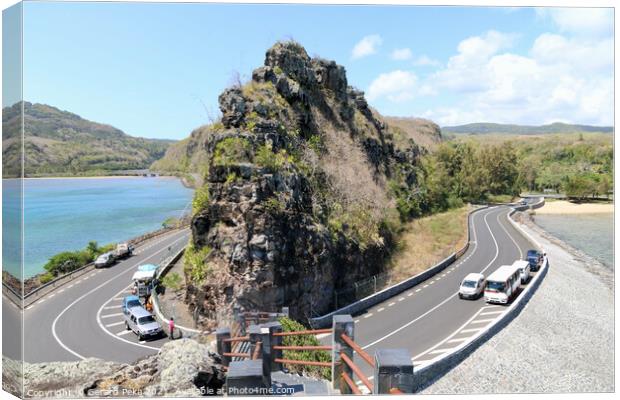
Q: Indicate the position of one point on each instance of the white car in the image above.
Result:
(472, 286)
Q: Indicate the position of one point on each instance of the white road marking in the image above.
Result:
(482, 321)
(118, 298)
(356, 321)
(444, 301)
(490, 306)
(381, 309)
(391, 304)
(471, 330)
(457, 340)
(368, 315)
(440, 351)
(130, 269)
(425, 286)
(123, 333)
(29, 307)
(401, 298)
(418, 290)
(115, 324)
(111, 307)
(51, 295)
(492, 312)
(111, 315)
(409, 294)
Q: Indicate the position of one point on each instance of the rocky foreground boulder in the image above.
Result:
(299, 201)
(183, 367)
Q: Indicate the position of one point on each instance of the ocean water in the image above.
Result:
(591, 233)
(65, 214)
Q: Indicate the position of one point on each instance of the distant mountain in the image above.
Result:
(556, 127)
(58, 142)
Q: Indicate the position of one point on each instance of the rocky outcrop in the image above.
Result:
(298, 184)
(183, 367)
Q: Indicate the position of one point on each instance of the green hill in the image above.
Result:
(58, 143)
(556, 127)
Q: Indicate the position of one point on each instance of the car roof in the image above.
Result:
(532, 251)
(473, 276)
(139, 312)
(521, 264)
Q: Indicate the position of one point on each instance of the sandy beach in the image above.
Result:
(566, 207)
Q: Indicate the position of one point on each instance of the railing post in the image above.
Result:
(223, 347)
(245, 378)
(393, 370)
(254, 333)
(341, 324)
(268, 353)
(285, 312)
(236, 314)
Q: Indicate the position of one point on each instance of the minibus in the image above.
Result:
(502, 284)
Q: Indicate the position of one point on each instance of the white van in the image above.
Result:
(524, 269)
(472, 286)
(502, 284)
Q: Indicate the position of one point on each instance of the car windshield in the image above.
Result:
(499, 286)
(146, 320)
(469, 284)
(133, 303)
(532, 253)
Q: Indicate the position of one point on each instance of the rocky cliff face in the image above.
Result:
(297, 201)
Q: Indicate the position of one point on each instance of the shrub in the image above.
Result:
(46, 277)
(67, 261)
(170, 222)
(195, 264)
(232, 150)
(172, 281)
(273, 162)
(201, 199)
(289, 325)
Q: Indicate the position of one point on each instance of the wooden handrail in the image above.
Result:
(240, 355)
(257, 350)
(308, 332)
(351, 384)
(365, 356)
(301, 348)
(356, 371)
(237, 339)
(299, 362)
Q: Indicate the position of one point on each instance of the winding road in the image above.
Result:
(82, 318)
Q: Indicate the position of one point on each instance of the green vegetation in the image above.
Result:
(61, 143)
(170, 222)
(289, 325)
(172, 281)
(231, 151)
(273, 162)
(201, 199)
(68, 261)
(579, 165)
(196, 267)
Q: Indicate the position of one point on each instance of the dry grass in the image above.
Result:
(427, 240)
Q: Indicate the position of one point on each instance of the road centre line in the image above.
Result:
(130, 269)
(444, 301)
(368, 315)
(391, 304)
(381, 309)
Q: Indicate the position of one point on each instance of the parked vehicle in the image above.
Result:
(123, 250)
(130, 302)
(472, 286)
(502, 284)
(142, 323)
(535, 258)
(104, 260)
(143, 279)
(524, 269)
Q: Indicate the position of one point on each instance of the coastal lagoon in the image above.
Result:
(591, 233)
(65, 214)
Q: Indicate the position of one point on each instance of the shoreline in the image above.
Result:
(564, 207)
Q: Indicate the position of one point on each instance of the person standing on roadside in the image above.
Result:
(171, 328)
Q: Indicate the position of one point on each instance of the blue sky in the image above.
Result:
(155, 70)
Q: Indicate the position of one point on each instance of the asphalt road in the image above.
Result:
(73, 323)
(430, 319)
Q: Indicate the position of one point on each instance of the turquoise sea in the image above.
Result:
(591, 233)
(65, 214)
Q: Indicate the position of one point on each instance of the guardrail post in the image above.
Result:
(223, 347)
(254, 333)
(393, 370)
(341, 324)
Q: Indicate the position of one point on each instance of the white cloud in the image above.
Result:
(402, 54)
(396, 86)
(424, 61)
(582, 21)
(562, 78)
(367, 46)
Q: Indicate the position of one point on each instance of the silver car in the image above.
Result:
(142, 323)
